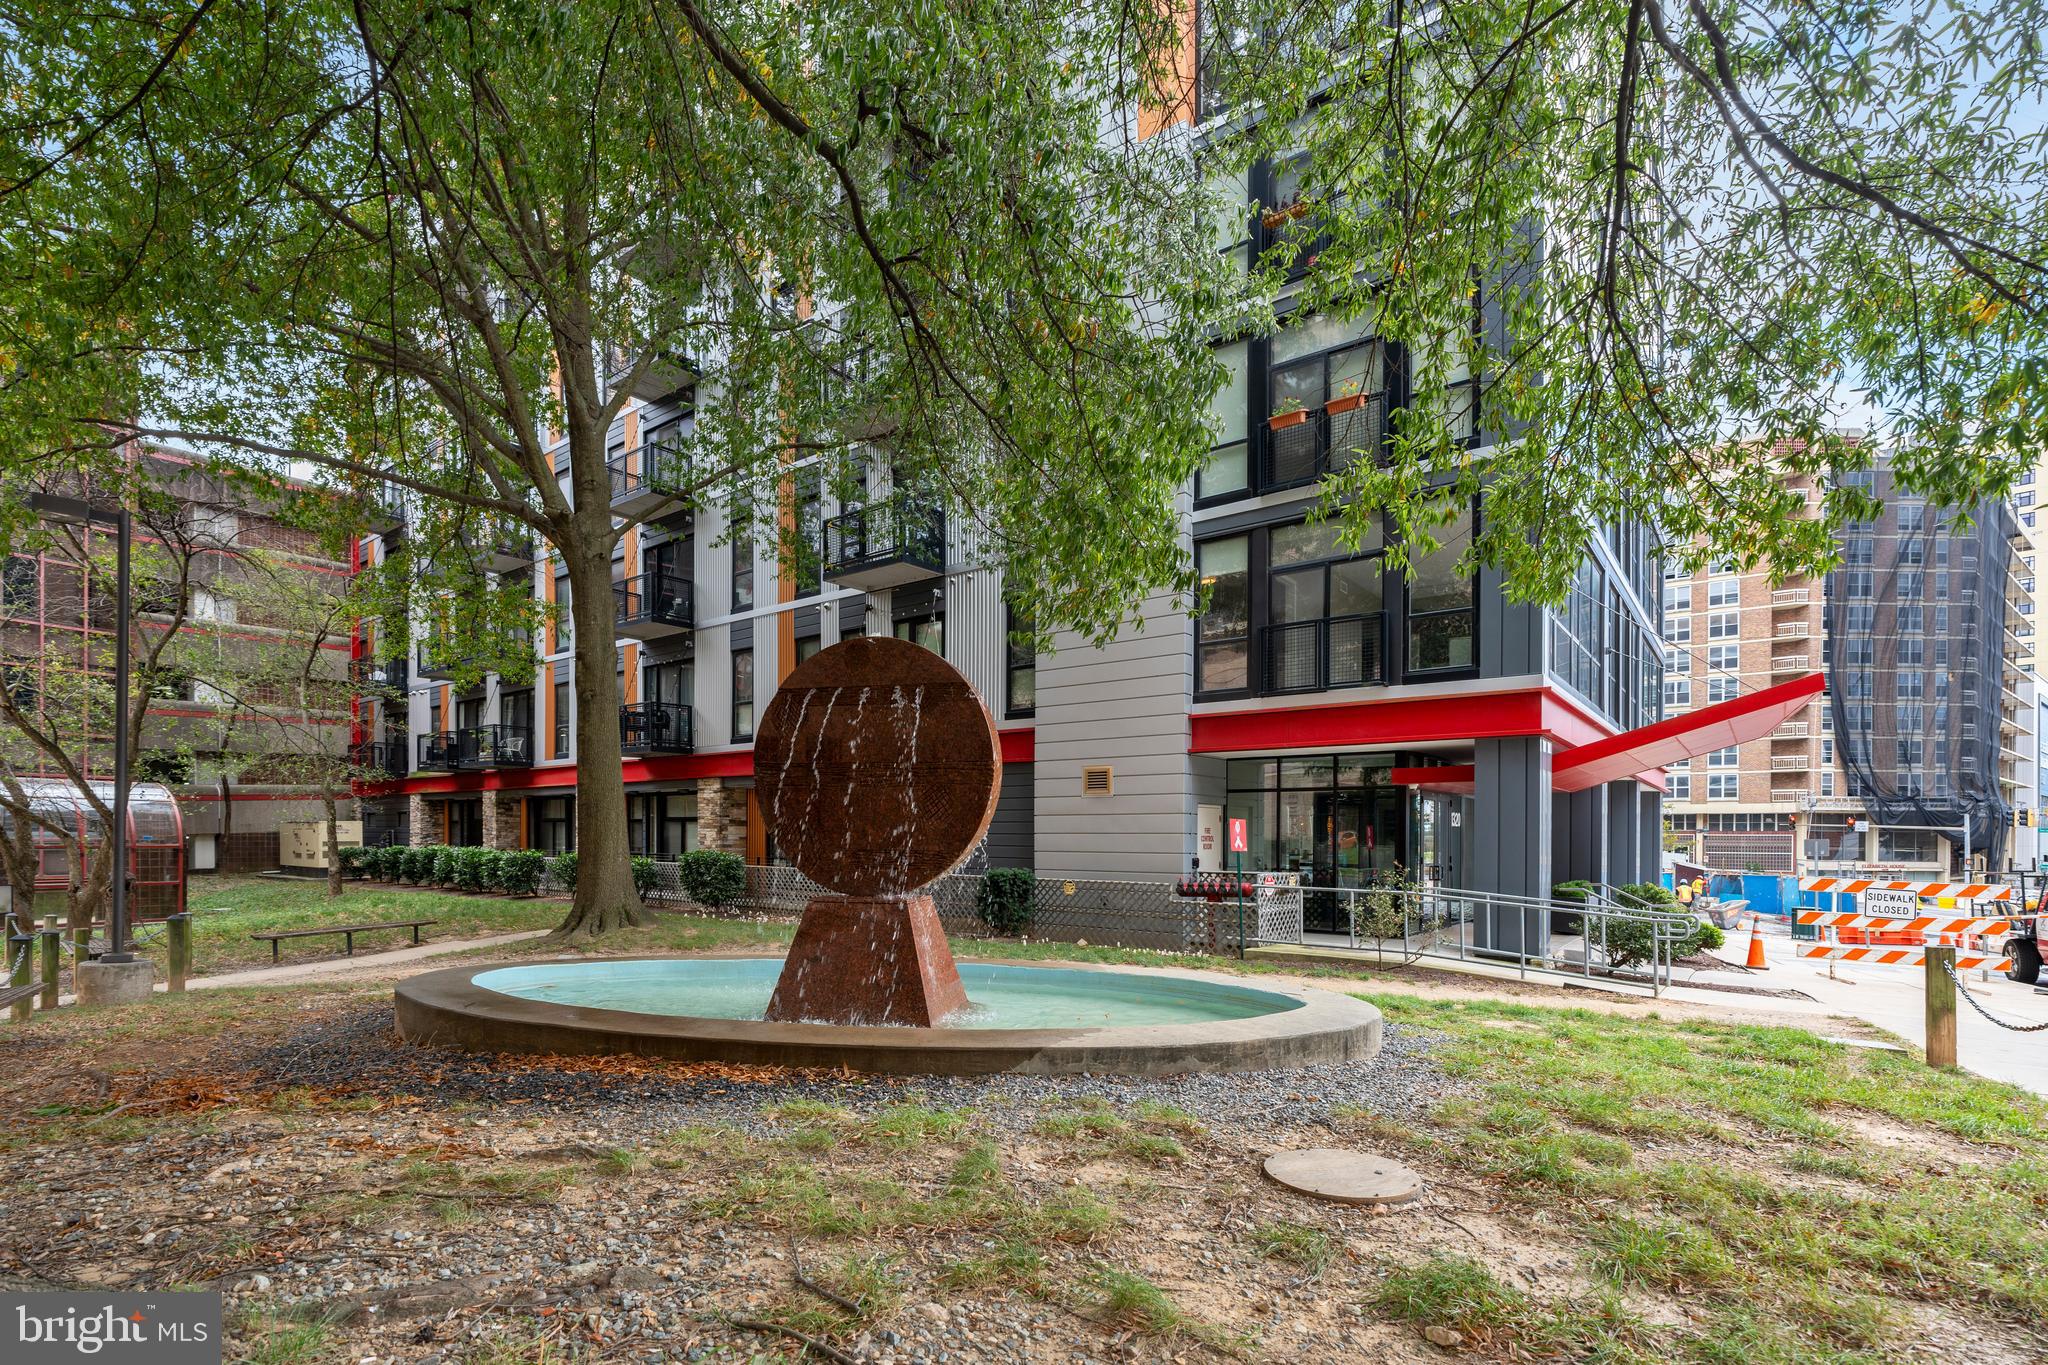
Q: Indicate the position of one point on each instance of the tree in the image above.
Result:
(395, 243)
(1679, 243)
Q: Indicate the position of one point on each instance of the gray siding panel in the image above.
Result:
(1009, 833)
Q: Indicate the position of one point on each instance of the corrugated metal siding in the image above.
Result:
(1009, 834)
(1124, 705)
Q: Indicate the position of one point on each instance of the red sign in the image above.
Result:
(1240, 838)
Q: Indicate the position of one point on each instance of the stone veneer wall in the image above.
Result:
(721, 816)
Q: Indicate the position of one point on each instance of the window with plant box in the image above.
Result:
(1223, 630)
(1440, 603)
(1326, 622)
(1326, 400)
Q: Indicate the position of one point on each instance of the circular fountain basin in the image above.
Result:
(1022, 1018)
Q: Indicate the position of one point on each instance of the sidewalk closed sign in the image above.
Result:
(1892, 904)
(1240, 837)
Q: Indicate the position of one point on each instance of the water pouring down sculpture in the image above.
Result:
(877, 766)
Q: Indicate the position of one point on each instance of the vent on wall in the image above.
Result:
(1095, 781)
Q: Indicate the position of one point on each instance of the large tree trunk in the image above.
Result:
(605, 897)
(333, 842)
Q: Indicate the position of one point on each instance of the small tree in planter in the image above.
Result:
(1006, 900)
(713, 877)
(521, 872)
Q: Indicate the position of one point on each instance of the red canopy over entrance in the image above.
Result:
(1634, 753)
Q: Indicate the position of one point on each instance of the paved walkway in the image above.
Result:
(330, 967)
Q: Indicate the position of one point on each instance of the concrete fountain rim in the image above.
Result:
(446, 1008)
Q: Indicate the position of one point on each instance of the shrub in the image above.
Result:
(564, 871)
(468, 865)
(380, 863)
(520, 872)
(1574, 893)
(713, 877)
(643, 876)
(1704, 937)
(443, 872)
(1630, 942)
(418, 864)
(491, 869)
(1005, 900)
(1646, 895)
(355, 862)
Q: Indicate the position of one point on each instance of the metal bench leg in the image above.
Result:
(274, 946)
(415, 935)
(350, 940)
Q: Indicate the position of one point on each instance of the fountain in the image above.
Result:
(878, 767)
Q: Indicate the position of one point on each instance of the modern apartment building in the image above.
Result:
(1363, 723)
(1919, 635)
(236, 781)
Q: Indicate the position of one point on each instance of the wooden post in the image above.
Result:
(1941, 1007)
(22, 973)
(53, 960)
(179, 927)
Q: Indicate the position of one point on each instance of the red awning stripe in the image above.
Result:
(1736, 721)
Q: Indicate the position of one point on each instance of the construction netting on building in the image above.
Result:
(1916, 633)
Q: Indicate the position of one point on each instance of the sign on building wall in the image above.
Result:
(1208, 838)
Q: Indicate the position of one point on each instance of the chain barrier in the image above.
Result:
(1949, 967)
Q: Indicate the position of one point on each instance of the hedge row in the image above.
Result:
(517, 872)
(709, 877)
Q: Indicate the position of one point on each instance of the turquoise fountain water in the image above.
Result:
(999, 997)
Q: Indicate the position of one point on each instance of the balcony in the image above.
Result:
(387, 675)
(1789, 663)
(440, 751)
(1317, 656)
(507, 550)
(1312, 444)
(654, 605)
(1781, 795)
(1791, 597)
(654, 727)
(1794, 630)
(886, 544)
(378, 760)
(1791, 730)
(665, 376)
(1790, 763)
(650, 479)
(385, 514)
(494, 746)
(437, 659)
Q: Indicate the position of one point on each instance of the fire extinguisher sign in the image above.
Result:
(1240, 837)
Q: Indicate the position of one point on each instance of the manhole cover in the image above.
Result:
(1345, 1177)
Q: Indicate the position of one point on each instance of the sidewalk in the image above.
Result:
(328, 967)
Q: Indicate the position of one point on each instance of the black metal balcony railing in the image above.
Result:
(495, 746)
(652, 468)
(654, 727)
(440, 751)
(1322, 442)
(439, 660)
(1330, 652)
(387, 674)
(655, 596)
(378, 758)
(903, 529)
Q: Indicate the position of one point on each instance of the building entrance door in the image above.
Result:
(1357, 842)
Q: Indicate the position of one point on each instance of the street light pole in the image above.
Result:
(117, 919)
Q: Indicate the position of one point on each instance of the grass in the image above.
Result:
(1573, 1112)
(1311, 1249)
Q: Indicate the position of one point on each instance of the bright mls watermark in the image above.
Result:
(110, 1329)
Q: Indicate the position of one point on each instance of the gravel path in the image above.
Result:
(359, 1051)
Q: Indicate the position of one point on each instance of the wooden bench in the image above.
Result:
(14, 995)
(347, 931)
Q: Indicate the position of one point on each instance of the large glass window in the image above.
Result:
(1020, 692)
(742, 694)
(1325, 400)
(1223, 631)
(1440, 615)
(928, 630)
(554, 823)
(1228, 467)
(565, 624)
(1326, 625)
(742, 568)
(562, 702)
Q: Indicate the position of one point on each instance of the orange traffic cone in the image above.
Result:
(1756, 948)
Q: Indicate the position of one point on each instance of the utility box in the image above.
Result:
(302, 844)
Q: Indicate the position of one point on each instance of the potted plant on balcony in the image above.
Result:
(1350, 394)
(1290, 413)
(1280, 215)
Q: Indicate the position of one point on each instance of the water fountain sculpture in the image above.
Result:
(878, 768)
